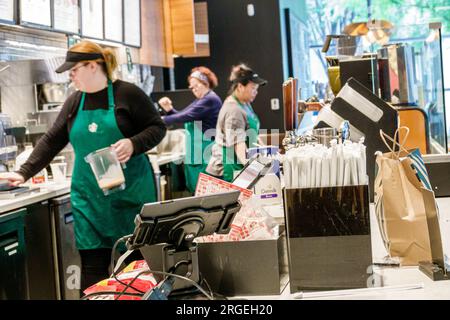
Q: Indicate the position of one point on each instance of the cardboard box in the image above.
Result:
(254, 267)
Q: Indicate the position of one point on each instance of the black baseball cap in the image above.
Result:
(250, 75)
(72, 58)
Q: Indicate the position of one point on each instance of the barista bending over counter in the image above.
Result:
(237, 125)
(198, 118)
(102, 113)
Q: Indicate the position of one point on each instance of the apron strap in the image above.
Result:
(111, 103)
(81, 105)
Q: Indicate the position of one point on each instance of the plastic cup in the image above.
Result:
(107, 170)
(59, 171)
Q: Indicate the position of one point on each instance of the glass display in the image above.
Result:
(402, 65)
(415, 52)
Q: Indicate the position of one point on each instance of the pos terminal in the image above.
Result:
(165, 231)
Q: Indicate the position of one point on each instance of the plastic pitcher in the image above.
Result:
(107, 170)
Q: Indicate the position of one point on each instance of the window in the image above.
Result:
(330, 17)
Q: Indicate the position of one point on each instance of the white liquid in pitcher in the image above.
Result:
(109, 183)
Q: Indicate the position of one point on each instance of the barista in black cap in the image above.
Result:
(237, 124)
(102, 113)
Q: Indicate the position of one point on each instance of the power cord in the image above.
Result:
(209, 288)
(115, 272)
(114, 248)
(169, 275)
(140, 292)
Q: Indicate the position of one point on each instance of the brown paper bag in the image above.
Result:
(401, 206)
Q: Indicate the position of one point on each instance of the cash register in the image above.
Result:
(164, 234)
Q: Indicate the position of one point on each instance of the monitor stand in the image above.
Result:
(182, 262)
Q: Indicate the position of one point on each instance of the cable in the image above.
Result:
(174, 268)
(129, 285)
(170, 275)
(123, 239)
(209, 288)
(186, 279)
(114, 273)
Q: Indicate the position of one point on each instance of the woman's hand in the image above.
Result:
(166, 104)
(13, 178)
(124, 149)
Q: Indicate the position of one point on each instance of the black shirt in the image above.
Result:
(136, 117)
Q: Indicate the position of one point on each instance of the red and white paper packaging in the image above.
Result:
(144, 283)
(250, 223)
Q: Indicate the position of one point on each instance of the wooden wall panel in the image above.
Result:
(183, 27)
(201, 30)
(156, 47)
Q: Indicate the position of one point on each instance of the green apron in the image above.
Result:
(100, 220)
(198, 153)
(230, 160)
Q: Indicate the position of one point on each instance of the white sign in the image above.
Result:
(113, 20)
(36, 12)
(132, 23)
(92, 18)
(66, 15)
(7, 10)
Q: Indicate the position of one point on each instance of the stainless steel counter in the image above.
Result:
(51, 190)
(46, 191)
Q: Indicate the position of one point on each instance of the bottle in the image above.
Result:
(268, 189)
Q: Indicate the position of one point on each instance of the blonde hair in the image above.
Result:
(109, 61)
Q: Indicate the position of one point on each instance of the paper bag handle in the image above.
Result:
(395, 144)
(401, 147)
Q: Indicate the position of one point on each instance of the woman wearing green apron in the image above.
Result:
(101, 114)
(237, 125)
(200, 119)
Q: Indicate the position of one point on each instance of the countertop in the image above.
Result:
(51, 189)
(388, 282)
(46, 191)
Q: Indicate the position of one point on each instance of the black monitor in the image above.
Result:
(179, 221)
